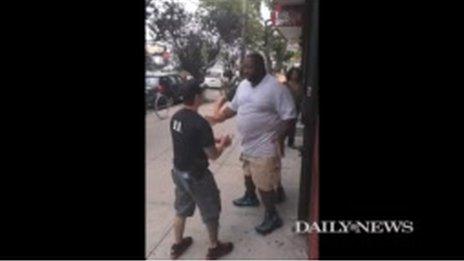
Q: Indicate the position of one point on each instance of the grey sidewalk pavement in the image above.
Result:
(236, 224)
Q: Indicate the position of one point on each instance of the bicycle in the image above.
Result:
(162, 105)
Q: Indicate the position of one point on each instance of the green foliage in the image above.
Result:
(197, 54)
(149, 65)
(225, 23)
(228, 17)
(270, 4)
(195, 48)
(279, 51)
(169, 24)
(215, 31)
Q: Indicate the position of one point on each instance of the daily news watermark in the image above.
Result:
(355, 226)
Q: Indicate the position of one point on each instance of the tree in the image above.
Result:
(149, 64)
(197, 53)
(196, 49)
(223, 18)
(279, 51)
(215, 31)
(226, 19)
(276, 44)
(270, 4)
(167, 21)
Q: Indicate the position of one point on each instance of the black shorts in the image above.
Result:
(201, 191)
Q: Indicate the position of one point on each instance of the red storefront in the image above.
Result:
(298, 20)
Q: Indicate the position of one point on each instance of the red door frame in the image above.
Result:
(314, 204)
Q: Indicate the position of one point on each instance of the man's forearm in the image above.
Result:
(223, 114)
(218, 152)
(214, 152)
(284, 127)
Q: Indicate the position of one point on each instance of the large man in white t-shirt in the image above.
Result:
(265, 109)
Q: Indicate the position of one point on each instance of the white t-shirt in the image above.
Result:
(260, 112)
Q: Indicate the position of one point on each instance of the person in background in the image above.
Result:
(235, 81)
(226, 81)
(185, 76)
(295, 86)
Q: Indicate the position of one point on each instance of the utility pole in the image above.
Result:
(267, 41)
(244, 25)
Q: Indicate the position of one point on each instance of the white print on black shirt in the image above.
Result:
(177, 126)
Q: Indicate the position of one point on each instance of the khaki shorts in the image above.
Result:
(264, 171)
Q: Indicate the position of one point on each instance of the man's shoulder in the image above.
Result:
(273, 83)
(178, 114)
(193, 119)
(199, 121)
(269, 80)
(202, 121)
(187, 114)
(242, 87)
(243, 84)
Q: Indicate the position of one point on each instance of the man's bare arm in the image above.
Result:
(214, 152)
(284, 127)
(225, 113)
(221, 112)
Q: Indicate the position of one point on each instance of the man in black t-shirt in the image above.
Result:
(194, 144)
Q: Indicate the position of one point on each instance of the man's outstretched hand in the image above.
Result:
(224, 141)
(217, 115)
(220, 103)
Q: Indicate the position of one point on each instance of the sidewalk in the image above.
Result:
(237, 224)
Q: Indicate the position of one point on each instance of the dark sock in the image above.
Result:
(291, 141)
(280, 190)
(250, 186)
(268, 198)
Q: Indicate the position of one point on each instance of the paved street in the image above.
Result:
(237, 224)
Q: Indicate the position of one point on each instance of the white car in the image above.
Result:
(213, 80)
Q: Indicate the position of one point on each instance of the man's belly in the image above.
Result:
(258, 134)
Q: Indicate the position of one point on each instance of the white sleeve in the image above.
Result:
(234, 104)
(284, 103)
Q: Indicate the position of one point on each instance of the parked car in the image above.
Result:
(213, 79)
(165, 83)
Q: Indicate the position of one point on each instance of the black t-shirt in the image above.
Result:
(190, 134)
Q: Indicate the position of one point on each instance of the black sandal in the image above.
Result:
(222, 249)
(178, 249)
